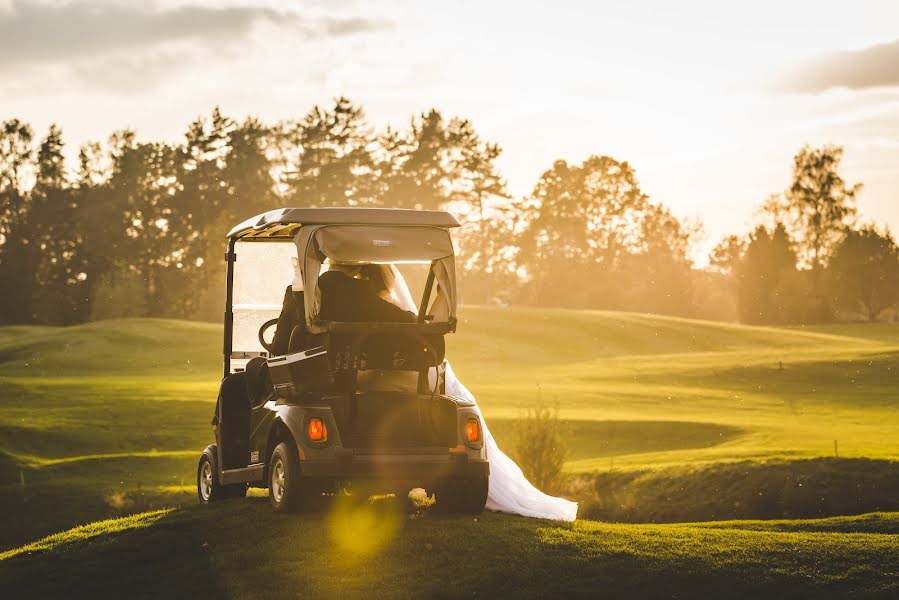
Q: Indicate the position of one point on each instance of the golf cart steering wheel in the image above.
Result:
(265, 327)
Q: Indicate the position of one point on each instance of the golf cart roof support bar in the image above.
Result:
(230, 257)
(426, 295)
(276, 223)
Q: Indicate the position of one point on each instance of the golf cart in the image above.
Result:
(352, 398)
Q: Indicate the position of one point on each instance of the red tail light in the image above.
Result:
(472, 430)
(317, 430)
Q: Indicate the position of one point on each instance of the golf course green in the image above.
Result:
(667, 419)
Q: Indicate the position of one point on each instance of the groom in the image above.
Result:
(344, 298)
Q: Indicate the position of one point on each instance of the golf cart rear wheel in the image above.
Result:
(464, 496)
(208, 487)
(288, 490)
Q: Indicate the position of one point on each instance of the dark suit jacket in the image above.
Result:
(292, 314)
(345, 299)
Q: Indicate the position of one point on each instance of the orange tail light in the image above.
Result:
(317, 430)
(472, 430)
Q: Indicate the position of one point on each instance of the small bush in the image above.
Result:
(540, 448)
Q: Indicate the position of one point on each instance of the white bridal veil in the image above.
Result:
(509, 491)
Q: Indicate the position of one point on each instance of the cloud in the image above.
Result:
(872, 67)
(42, 32)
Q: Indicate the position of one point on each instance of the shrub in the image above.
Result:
(540, 448)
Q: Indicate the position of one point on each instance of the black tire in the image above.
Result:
(208, 487)
(288, 490)
(463, 496)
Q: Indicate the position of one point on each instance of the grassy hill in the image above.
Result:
(241, 549)
(636, 390)
(668, 419)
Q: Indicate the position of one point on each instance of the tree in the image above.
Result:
(659, 266)
(864, 272)
(488, 251)
(203, 191)
(248, 169)
(582, 221)
(415, 165)
(726, 256)
(438, 161)
(766, 269)
(16, 255)
(58, 277)
(248, 188)
(821, 205)
(153, 254)
(477, 193)
(102, 226)
(334, 165)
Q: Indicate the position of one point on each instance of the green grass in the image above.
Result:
(241, 549)
(790, 393)
(667, 419)
(647, 390)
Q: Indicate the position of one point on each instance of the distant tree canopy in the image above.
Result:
(135, 229)
(863, 276)
(810, 264)
(592, 224)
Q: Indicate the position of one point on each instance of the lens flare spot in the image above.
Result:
(359, 529)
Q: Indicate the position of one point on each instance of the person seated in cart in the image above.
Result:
(349, 293)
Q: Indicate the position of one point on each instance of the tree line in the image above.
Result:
(135, 228)
(810, 260)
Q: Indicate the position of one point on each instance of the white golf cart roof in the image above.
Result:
(283, 223)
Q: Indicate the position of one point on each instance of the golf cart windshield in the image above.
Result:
(261, 273)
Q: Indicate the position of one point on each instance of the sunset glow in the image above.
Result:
(688, 92)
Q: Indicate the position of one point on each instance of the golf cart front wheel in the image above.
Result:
(208, 487)
(466, 496)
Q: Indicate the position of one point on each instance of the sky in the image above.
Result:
(708, 100)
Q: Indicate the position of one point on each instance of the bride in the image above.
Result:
(509, 490)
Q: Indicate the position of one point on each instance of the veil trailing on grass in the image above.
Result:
(509, 490)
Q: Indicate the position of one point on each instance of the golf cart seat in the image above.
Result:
(257, 380)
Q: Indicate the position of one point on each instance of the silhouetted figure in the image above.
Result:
(292, 314)
(346, 299)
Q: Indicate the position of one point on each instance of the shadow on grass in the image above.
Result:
(776, 489)
(156, 554)
(39, 501)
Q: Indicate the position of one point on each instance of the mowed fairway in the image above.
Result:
(108, 418)
(659, 391)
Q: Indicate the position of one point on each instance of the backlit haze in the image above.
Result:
(708, 100)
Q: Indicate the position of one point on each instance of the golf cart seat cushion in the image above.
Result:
(234, 421)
